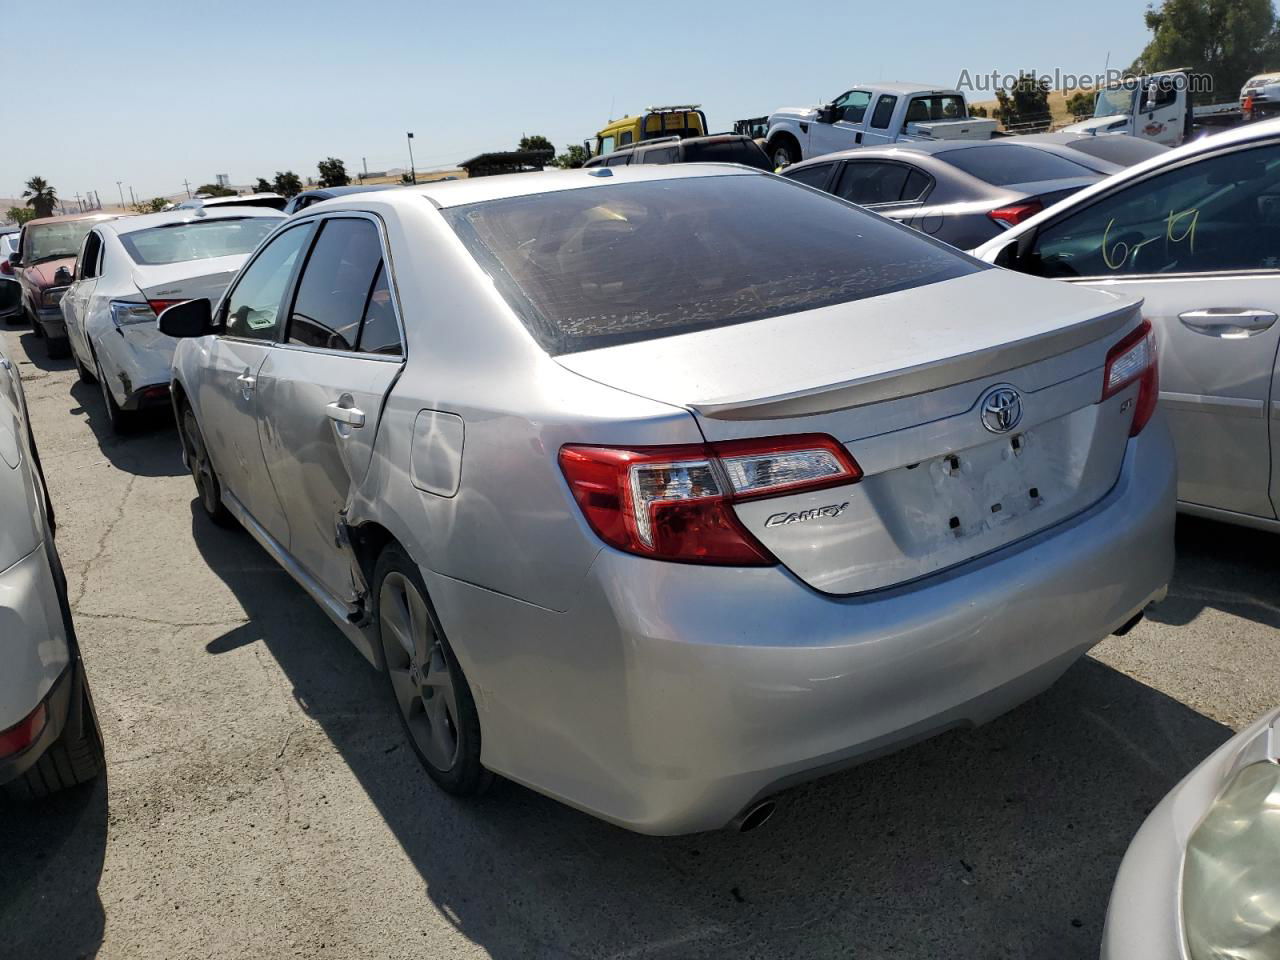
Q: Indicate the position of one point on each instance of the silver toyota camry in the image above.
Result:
(660, 489)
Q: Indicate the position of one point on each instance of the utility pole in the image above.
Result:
(413, 174)
(121, 189)
(132, 199)
(79, 205)
(187, 187)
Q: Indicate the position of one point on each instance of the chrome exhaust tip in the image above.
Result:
(755, 816)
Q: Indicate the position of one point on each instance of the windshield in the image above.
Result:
(178, 242)
(47, 241)
(599, 266)
(1114, 101)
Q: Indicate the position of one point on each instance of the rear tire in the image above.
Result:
(426, 683)
(75, 757)
(208, 487)
(85, 374)
(120, 420)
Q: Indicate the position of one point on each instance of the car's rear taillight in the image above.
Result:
(675, 503)
(160, 306)
(23, 733)
(1015, 213)
(1134, 358)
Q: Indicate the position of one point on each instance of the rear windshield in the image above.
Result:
(178, 242)
(1006, 163)
(745, 152)
(1118, 148)
(617, 263)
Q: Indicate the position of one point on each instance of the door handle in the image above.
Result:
(351, 416)
(247, 385)
(1228, 323)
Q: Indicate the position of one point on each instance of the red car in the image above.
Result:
(45, 265)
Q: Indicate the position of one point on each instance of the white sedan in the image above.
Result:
(129, 270)
(49, 735)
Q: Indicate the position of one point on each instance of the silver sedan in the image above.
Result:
(660, 489)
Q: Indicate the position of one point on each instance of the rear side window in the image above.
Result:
(202, 240)
(661, 155)
(380, 333)
(623, 262)
(884, 111)
(815, 176)
(335, 285)
(619, 160)
(938, 106)
(1006, 163)
(866, 182)
(744, 152)
(918, 185)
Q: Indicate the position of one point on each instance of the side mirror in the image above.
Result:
(62, 276)
(827, 113)
(191, 318)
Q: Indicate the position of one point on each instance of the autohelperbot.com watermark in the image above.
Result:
(1058, 79)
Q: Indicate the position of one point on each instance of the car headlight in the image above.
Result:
(1231, 875)
(52, 296)
(125, 314)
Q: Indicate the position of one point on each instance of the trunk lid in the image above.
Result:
(189, 279)
(899, 379)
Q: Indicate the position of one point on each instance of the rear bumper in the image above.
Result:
(138, 367)
(671, 697)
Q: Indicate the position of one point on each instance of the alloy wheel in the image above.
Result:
(419, 671)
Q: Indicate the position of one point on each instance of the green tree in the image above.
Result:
(574, 156)
(40, 197)
(1026, 104)
(19, 215)
(1230, 40)
(1080, 103)
(213, 190)
(287, 184)
(154, 205)
(333, 173)
(262, 186)
(977, 111)
(536, 142)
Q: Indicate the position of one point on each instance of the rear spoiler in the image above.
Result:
(893, 385)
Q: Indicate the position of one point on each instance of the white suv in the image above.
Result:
(49, 734)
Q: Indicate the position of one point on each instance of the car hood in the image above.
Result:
(794, 113)
(42, 274)
(1098, 125)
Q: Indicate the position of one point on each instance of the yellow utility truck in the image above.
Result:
(682, 120)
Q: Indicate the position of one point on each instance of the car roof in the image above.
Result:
(925, 147)
(67, 218)
(187, 215)
(903, 87)
(343, 191)
(454, 193)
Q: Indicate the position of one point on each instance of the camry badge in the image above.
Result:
(831, 511)
(1000, 409)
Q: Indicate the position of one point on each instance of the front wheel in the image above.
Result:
(430, 692)
(783, 154)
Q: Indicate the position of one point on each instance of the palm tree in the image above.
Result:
(40, 196)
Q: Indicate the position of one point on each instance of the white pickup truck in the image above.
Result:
(1159, 107)
(871, 115)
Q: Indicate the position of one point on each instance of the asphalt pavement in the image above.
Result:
(260, 800)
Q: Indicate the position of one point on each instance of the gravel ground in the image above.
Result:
(260, 802)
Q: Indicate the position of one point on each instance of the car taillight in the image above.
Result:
(1014, 214)
(23, 733)
(675, 503)
(160, 306)
(1134, 358)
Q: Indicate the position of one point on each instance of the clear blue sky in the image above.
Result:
(154, 91)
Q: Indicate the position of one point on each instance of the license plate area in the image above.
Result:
(988, 486)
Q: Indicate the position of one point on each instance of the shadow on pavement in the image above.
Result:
(151, 448)
(997, 842)
(51, 856)
(1224, 566)
(38, 355)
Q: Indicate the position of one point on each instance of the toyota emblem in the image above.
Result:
(1000, 408)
